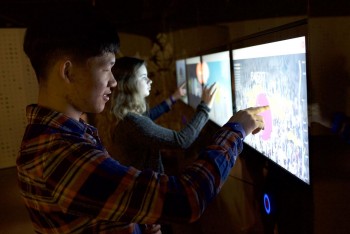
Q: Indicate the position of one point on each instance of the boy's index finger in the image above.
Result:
(260, 109)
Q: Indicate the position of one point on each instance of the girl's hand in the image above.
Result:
(208, 94)
(179, 92)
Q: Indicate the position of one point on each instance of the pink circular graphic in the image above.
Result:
(262, 100)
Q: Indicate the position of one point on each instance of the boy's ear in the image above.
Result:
(66, 70)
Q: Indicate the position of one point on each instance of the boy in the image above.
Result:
(69, 182)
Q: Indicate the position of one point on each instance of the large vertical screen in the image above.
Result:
(216, 69)
(194, 81)
(181, 76)
(274, 74)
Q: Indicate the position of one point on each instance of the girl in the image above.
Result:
(126, 125)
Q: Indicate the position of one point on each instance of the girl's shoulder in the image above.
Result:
(136, 118)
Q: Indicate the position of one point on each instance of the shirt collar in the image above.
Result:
(44, 116)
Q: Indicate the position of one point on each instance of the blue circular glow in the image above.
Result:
(267, 203)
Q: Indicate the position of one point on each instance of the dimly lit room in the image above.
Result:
(294, 55)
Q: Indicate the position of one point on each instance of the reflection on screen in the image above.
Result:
(275, 74)
(181, 76)
(216, 69)
(194, 85)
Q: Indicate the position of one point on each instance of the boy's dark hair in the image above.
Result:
(79, 33)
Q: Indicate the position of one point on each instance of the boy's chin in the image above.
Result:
(99, 109)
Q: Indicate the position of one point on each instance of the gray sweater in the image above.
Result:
(138, 140)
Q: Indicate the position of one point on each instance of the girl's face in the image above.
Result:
(143, 82)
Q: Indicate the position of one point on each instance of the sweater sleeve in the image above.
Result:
(156, 136)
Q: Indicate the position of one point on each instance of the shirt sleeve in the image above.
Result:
(157, 111)
(93, 184)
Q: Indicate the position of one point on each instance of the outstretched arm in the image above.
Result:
(165, 106)
(111, 191)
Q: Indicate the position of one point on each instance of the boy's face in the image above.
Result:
(91, 84)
